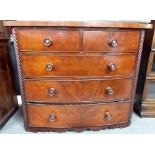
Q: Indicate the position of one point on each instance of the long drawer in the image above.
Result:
(68, 116)
(64, 91)
(79, 65)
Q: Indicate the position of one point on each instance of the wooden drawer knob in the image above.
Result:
(51, 91)
(111, 67)
(52, 117)
(109, 90)
(47, 42)
(49, 67)
(107, 116)
(113, 43)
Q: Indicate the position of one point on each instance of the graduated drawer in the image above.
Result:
(84, 65)
(48, 39)
(111, 40)
(69, 116)
(62, 91)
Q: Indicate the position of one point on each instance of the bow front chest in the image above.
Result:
(77, 75)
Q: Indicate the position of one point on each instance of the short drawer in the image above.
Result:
(111, 40)
(84, 65)
(48, 40)
(77, 90)
(68, 116)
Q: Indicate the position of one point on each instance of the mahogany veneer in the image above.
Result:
(77, 65)
(75, 116)
(98, 40)
(77, 90)
(77, 75)
(62, 40)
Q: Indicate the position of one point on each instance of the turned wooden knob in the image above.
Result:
(111, 66)
(49, 67)
(113, 43)
(51, 91)
(52, 117)
(47, 42)
(109, 90)
(107, 116)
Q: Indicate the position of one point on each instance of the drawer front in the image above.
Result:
(115, 41)
(46, 39)
(77, 90)
(107, 65)
(68, 116)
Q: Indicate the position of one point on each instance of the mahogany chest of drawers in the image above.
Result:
(77, 75)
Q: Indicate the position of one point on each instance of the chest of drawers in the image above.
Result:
(77, 75)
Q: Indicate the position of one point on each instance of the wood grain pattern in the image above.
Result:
(68, 40)
(79, 78)
(77, 90)
(62, 40)
(99, 40)
(99, 23)
(68, 116)
(77, 65)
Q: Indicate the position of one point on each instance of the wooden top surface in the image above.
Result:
(116, 24)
